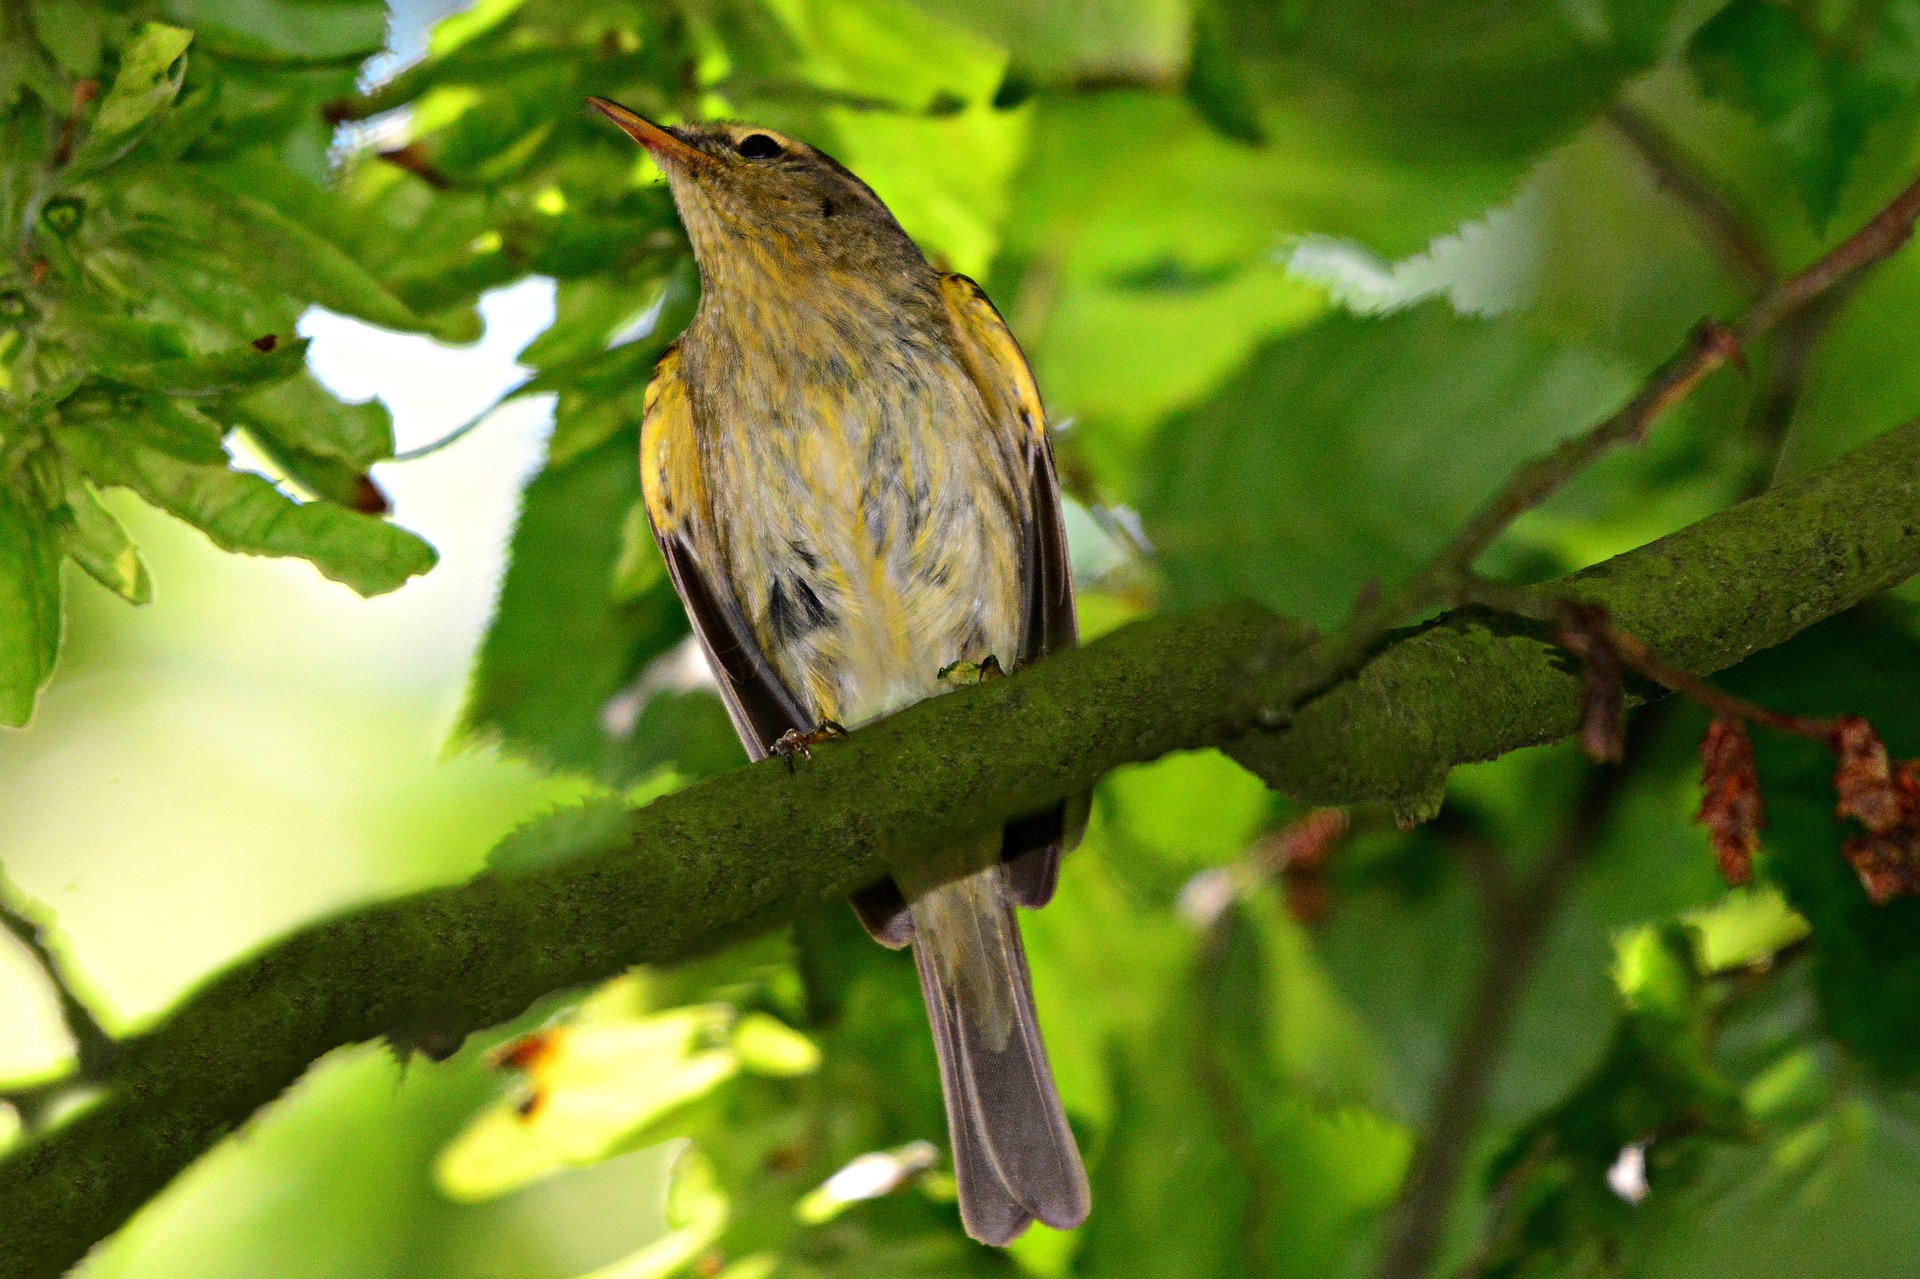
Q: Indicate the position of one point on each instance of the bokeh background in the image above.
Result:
(1301, 282)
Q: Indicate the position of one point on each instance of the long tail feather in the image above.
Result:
(1014, 1156)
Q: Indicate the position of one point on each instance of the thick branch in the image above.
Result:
(743, 852)
(1472, 686)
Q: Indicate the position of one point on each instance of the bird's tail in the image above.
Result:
(1013, 1155)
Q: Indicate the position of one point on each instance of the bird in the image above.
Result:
(846, 466)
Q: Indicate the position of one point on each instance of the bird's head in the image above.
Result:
(750, 197)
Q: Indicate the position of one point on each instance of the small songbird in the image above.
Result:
(847, 470)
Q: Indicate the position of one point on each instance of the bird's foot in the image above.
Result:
(794, 743)
(966, 674)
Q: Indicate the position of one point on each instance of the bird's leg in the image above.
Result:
(794, 742)
(964, 674)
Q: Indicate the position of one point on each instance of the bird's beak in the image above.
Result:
(665, 148)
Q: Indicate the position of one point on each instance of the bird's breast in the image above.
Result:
(867, 523)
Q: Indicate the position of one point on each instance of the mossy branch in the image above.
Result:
(745, 851)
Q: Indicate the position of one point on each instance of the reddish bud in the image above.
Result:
(1863, 777)
(368, 498)
(1297, 853)
(1730, 803)
(265, 342)
(38, 271)
(524, 1052)
(414, 159)
(1719, 339)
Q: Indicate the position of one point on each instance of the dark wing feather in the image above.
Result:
(1033, 844)
(761, 707)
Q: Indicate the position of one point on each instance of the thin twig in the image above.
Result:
(1213, 1073)
(95, 1051)
(1591, 620)
(1724, 224)
(1710, 345)
(1515, 922)
(84, 92)
(1776, 399)
(1883, 235)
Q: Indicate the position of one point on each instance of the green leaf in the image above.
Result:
(603, 391)
(560, 649)
(223, 373)
(160, 422)
(266, 245)
(333, 30)
(246, 513)
(1217, 85)
(301, 415)
(29, 604)
(71, 33)
(151, 69)
(1123, 41)
(1865, 377)
(595, 1083)
(1658, 1085)
(1818, 93)
(97, 542)
(1348, 451)
(639, 568)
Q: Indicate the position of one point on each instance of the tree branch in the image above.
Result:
(1709, 346)
(745, 851)
(1724, 224)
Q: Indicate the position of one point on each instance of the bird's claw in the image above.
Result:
(794, 743)
(965, 674)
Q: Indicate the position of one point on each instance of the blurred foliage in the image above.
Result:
(1301, 281)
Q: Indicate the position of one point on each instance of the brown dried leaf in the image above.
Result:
(1297, 853)
(1863, 778)
(1888, 864)
(1906, 788)
(1730, 804)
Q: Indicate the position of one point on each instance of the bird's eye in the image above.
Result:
(757, 146)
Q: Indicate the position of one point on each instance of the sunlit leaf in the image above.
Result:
(151, 69)
(29, 604)
(246, 513)
(590, 1086)
(97, 543)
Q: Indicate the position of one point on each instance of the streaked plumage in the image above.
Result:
(846, 467)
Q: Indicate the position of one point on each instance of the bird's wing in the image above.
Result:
(672, 483)
(1033, 844)
(1000, 372)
